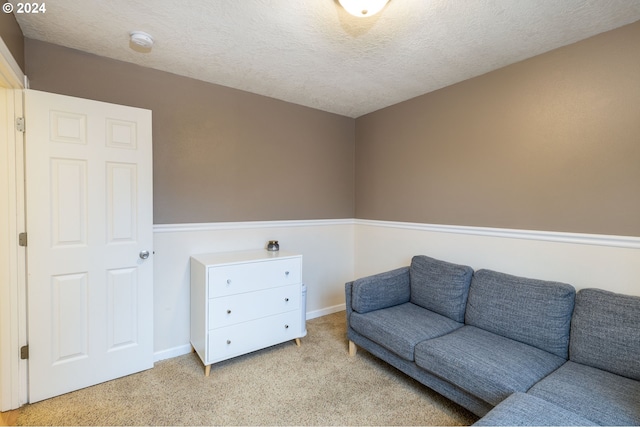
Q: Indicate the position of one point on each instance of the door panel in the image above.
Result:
(68, 202)
(69, 325)
(89, 215)
(121, 202)
(122, 309)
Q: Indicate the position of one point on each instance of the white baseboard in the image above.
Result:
(326, 311)
(172, 352)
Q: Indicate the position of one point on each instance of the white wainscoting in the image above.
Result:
(582, 260)
(337, 251)
(326, 246)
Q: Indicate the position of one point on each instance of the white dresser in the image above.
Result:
(244, 301)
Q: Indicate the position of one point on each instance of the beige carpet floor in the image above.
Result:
(315, 384)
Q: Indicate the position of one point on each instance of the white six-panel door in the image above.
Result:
(89, 224)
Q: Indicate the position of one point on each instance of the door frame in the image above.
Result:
(13, 304)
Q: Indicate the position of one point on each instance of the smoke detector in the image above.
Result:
(141, 39)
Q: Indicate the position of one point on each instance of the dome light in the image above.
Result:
(363, 8)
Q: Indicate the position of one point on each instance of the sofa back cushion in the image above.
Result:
(440, 286)
(535, 312)
(605, 332)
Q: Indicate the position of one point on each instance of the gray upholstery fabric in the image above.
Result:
(440, 286)
(401, 327)
(521, 409)
(605, 332)
(445, 388)
(381, 290)
(601, 396)
(472, 403)
(531, 311)
(485, 364)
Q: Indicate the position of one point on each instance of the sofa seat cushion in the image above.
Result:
(486, 365)
(440, 286)
(535, 312)
(605, 332)
(605, 398)
(522, 409)
(400, 328)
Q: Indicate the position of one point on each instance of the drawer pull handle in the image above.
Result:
(286, 273)
(286, 326)
(228, 311)
(286, 300)
(228, 281)
(228, 341)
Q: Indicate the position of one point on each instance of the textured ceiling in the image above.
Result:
(311, 52)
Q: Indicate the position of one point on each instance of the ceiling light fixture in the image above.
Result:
(363, 8)
(141, 39)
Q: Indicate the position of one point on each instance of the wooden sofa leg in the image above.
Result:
(353, 348)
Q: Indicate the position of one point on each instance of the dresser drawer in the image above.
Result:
(226, 311)
(238, 278)
(235, 340)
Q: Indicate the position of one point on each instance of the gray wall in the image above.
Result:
(550, 143)
(11, 35)
(219, 154)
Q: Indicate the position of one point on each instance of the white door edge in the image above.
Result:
(13, 370)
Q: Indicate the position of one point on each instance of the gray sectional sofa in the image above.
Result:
(512, 350)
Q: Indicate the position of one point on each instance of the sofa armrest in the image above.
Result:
(348, 290)
(378, 291)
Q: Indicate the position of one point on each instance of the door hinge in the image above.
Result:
(22, 239)
(24, 352)
(20, 124)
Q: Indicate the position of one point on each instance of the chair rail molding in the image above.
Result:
(628, 242)
(244, 225)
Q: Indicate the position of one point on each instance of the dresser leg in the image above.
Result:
(353, 348)
(207, 369)
(298, 342)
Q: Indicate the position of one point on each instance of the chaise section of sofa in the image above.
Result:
(601, 381)
(522, 409)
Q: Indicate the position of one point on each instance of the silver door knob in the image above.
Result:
(144, 254)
